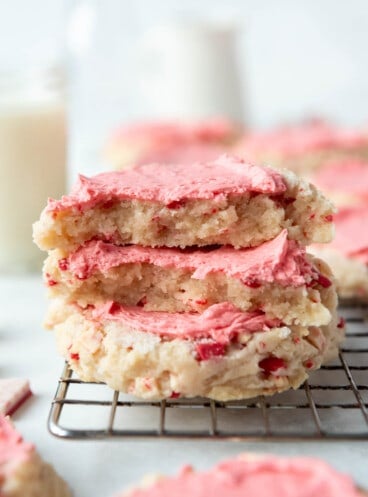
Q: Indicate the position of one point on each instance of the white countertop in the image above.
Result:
(100, 468)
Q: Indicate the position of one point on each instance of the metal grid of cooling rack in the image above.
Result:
(332, 404)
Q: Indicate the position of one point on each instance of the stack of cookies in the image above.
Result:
(178, 281)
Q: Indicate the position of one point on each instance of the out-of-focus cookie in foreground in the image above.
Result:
(253, 476)
(22, 471)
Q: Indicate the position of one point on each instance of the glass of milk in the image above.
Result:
(194, 64)
(32, 159)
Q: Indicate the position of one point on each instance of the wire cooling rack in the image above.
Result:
(332, 404)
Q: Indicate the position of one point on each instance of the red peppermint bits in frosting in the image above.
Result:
(175, 204)
(63, 264)
(49, 280)
(206, 351)
(201, 301)
(324, 281)
(252, 283)
(341, 323)
(271, 364)
(114, 307)
(142, 302)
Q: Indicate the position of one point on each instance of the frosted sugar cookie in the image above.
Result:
(222, 353)
(226, 202)
(22, 471)
(277, 277)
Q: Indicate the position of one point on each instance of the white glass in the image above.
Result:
(189, 71)
(32, 159)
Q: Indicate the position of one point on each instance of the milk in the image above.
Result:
(32, 168)
(190, 71)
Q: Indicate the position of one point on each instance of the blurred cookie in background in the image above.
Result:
(345, 182)
(169, 142)
(347, 254)
(305, 147)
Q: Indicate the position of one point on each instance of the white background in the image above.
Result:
(297, 59)
(299, 56)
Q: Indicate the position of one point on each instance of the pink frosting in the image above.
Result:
(13, 449)
(220, 322)
(263, 477)
(348, 176)
(159, 183)
(162, 133)
(296, 140)
(279, 260)
(351, 237)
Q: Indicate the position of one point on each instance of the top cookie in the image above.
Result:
(226, 202)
